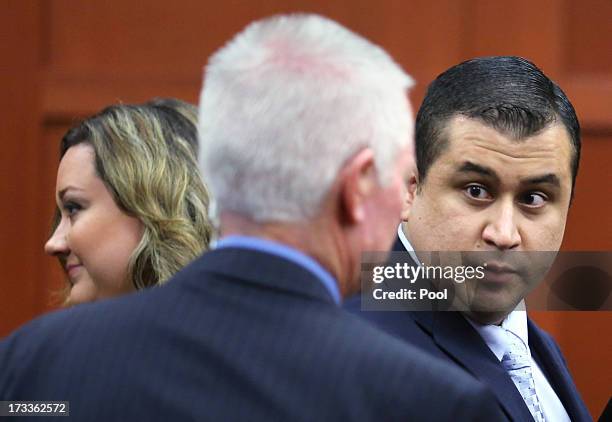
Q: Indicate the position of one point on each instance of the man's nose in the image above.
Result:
(57, 243)
(501, 229)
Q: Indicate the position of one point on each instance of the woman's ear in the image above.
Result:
(411, 191)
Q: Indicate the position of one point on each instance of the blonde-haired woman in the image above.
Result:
(132, 206)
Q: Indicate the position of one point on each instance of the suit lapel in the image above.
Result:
(459, 339)
(550, 361)
(398, 246)
(454, 336)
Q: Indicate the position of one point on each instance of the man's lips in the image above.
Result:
(499, 268)
(498, 272)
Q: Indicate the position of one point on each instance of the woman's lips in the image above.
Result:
(73, 270)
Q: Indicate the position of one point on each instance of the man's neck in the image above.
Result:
(486, 318)
(313, 238)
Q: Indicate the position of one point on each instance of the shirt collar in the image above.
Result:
(287, 252)
(407, 245)
(494, 336)
(516, 322)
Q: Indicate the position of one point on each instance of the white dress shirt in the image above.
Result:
(495, 338)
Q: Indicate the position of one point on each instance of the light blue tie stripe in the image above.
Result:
(517, 362)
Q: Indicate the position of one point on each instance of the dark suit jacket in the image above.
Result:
(237, 335)
(448, 336)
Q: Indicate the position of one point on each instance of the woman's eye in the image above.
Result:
(534, 199)
(477, 192)
(72, 208)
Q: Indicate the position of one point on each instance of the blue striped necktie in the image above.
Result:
(517, 361)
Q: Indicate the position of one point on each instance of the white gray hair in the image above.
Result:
(285, 104)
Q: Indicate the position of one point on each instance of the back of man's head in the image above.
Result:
(509, 94)
(285, 104)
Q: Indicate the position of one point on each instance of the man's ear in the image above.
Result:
(358, 179)
(411, 191)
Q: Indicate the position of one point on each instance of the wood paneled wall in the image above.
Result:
(63, 59)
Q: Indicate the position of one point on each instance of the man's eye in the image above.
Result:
(477, 192)
(534, 199)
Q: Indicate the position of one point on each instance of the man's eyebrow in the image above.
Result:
(549, 178)
(469, 167)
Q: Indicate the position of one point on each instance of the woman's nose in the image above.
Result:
(57, 244)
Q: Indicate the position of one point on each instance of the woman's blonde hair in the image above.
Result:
(146, 155)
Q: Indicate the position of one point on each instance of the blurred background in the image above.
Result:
(61, 60)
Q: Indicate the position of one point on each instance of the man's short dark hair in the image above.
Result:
(509, 94)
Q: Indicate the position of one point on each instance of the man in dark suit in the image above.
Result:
(305, 140)
(498, 145)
